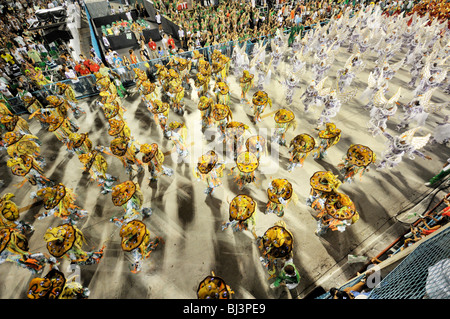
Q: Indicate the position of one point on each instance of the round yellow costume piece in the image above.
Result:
(340, 206)
(207, 162)
(60, 239)
(247, 162)
(282, 185)
(213, 287)
(303, 143)
(324, 181)
(242, 207)
(122, 193)
(360, 155)
(49, 287)
(284, 116)
(133, 234)
(52, 195)
(277, 242)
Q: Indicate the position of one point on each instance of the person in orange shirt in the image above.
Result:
(133, 57)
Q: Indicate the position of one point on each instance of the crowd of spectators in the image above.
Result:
(28, 62)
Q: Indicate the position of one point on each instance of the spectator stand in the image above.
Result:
(86, 87)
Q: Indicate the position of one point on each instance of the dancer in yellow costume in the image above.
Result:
(66, 241)
(68, 94)
(4, 110)
(205, 105)
(177, 133)
(284, 120)
(125, 150)
(184, 68)
(148, 93)
(9, 215)
(276, 246)
(339, 212)
(356, 161)
(27, 167)
(59, 201)
(221, 115)
(79, 143)
(242, 214)
(60, 107)
(246, 82)
(260, 101)
(61, 128)
(328, 137)
(135, 239)
(210, 170)
(323, 184)
(219, 71)
(95, 163)
(18, 144)
(33, 106)
(14, 248)
(176, 94)
(257, 145)
(54, 285)
(234, 132)
(112, 98)
(201, 84)
(246, 163)
(299, 148)
(214, 287)
(222, 92)
(160, 111)
(14, 123)
(280, 192)
(154, 158)
(140, 76)
(129, 196)
(119, 128)
(112, 111)
(162, 75)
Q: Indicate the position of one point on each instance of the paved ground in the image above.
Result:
(190, 221)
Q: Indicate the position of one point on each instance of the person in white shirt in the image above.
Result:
(106, 42)
(128, 14)
(158, 21)
(164, 43)
(181, 36)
